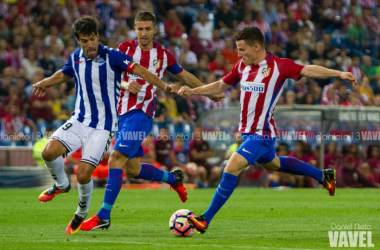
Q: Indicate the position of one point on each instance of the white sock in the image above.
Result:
(85, 193)
(57, 171)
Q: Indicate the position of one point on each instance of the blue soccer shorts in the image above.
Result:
(256, 148)
(133, 128)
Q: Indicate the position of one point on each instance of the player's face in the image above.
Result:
(145, 31)
(89, 44)
(246, 52)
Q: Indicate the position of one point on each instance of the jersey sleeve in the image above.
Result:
(289, 69)
(173, 66)
(122, 61)
(68, 68)
(123, 47)
(233, 77)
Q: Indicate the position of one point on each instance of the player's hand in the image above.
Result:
(168, 88)
(132, 86)
(348, 76)
(39, 90)
(216, 97)
(175, 88)
(185, 91)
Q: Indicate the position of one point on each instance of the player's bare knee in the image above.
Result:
(274, 165)
(231, 169)
(48, 154)
(271, 166)
(52, 150)
(83, 177)
(131, 172)
(115, 161)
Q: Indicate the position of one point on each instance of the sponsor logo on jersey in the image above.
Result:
(137, 77)
(265, 72)
(253, 86)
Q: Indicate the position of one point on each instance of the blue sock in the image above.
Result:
(151, 173)
(222, 193)
(114, 182)
(294, 166)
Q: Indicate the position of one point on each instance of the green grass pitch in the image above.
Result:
(292, 219)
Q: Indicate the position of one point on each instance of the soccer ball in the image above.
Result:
(179, 225)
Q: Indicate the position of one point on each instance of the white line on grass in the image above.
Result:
(181, 245)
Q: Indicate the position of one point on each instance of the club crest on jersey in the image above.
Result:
(156, 63)
(265, 72)
(100, 61)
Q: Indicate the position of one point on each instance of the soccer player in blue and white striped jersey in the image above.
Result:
(97, 71)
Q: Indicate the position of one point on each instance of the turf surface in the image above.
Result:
(292, 219)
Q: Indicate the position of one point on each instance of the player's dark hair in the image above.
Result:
(250, 35)
(145, 16)
(85, 25)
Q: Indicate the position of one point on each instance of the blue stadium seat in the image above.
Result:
(171, 129)
(41, 127)
(187, 129)
(58, 123)
(155, 129)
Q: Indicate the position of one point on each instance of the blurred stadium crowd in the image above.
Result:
(36, 40)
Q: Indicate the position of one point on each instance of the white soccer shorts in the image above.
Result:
(94, 142)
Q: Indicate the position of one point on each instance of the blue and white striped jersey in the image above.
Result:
(97, 84)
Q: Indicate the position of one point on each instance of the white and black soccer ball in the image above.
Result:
(179, 224)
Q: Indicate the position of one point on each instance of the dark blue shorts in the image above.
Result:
(133, 128)
(256, 148)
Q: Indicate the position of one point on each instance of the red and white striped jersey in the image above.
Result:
(157, 61)
(261, 86)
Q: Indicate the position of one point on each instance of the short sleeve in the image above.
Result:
(173, 66)
(233, 77)
(68, 68)
(122, 61)
(289, 69)
(123, 47)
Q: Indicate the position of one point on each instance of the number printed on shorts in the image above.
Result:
(67, 126)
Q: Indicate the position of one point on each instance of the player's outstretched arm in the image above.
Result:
(150, 78)
(206, 90)
(57, 78)
(193, 82)
(315, 71)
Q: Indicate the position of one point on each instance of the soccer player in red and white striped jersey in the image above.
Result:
(261, 76)
(136, 112)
